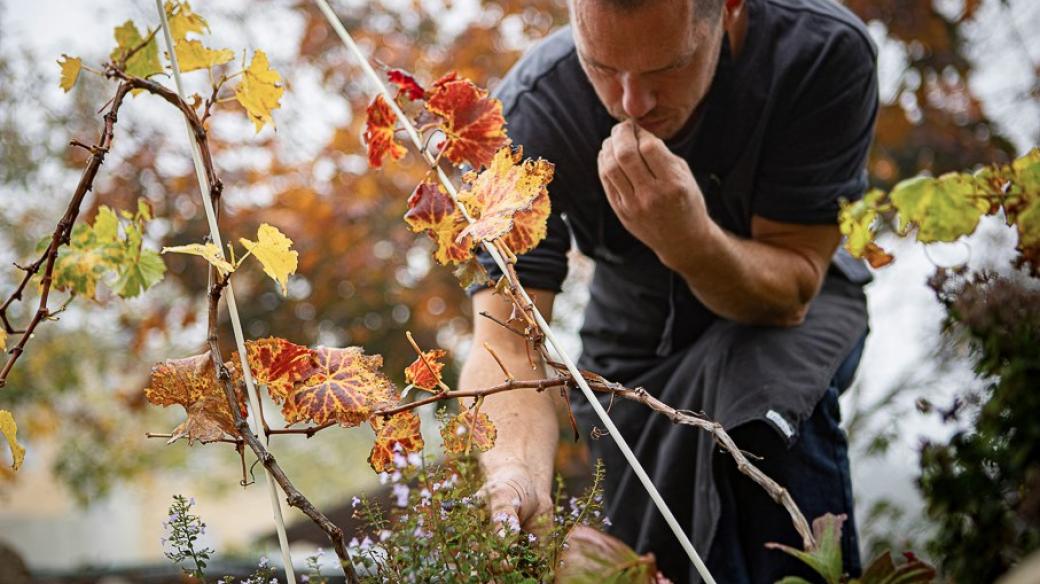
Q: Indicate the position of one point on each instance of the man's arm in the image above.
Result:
(518, 470)
(766, 280)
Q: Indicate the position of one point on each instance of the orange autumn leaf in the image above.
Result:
(430, 209)
(466, 431)
(877, 256)
(280, 365)
(379, 133)
(192, 383)
(419, 375)
(400, 433)
(509, 198)
(406, 84)
(473, 122)
(346, 388)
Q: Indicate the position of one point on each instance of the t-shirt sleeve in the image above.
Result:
(816, 155)
(545, 266)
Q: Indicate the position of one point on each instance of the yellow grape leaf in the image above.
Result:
(192, 55)
(145, 61)
(280, 365)
(183, 21)
(259, 90)
(400, 434)
(10, 432)
(466, 431)
(419, 375)
(3, 339)
(473, 122)
(207, 250)
(70, 67)
(191, 382)
(497, 197)
(856, 221)
(430, 209)
(380, 125)
(93, 251)
(943, 209)
(271, 248)
(346, 388)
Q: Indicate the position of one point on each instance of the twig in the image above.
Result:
(61, 236)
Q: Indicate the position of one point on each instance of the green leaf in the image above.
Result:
(943, 209)
(143, 63)
(825, 558)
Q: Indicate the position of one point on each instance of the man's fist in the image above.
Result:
(652, 190)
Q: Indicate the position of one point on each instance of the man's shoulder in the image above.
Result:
(546, 69)
(819, 27)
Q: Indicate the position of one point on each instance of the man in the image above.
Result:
(701, 148)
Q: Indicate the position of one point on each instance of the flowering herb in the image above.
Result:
(183, 530)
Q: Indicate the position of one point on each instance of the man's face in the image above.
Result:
(653, 64)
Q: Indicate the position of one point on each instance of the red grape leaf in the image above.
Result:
(430, 209)
(192, 383)
(401, 430)
(465, 430)
(876, 255)
(406, 84)
(379, 133)
(473, 122)
(280, 365)
(346, 387)
(419, 375)
(508, 198)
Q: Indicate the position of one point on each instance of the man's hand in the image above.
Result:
(652, 190)
(516, 499)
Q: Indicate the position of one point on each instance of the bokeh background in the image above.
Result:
(960, 84)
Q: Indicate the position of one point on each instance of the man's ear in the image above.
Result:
(734, 20)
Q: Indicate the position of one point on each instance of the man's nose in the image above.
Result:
(637, 98)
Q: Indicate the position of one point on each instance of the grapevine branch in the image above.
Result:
(61, 236)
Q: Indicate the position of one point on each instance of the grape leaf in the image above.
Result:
(139, 268)
(3, 339)
(10, 431)
(430, 209)
(400, 433)
(465, 431)
(93, 251)
(589, 555)
(419, 375)
(193, 55)
(380, 124)
(207, 250)
(471, 272)
(280, 365)
(497, 196)
(943, 209)
(271, 248)
(473, 122)
(183, 20)
(70, 67)
(260, 90)
(856, 221)
(877, 256)
(346, 388)
(825, 558)
(191, 382)
(145, 61)
(406, 84)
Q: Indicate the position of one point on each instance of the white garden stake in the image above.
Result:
(337, 25)
(236, 322)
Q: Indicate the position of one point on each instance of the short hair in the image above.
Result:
(702, 9)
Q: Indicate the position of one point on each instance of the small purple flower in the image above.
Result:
(401, 492)
(354, 502)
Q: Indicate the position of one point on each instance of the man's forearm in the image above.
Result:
(528, 430)
(746, 280)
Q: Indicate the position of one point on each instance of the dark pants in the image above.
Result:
(815, 470)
